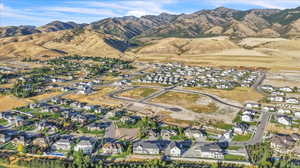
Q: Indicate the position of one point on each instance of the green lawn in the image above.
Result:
(27, 127)
(223, 125)
(3, 122)
(234, 147)
(234, 157)
(9, 146)
(96, 132)
(242, 137)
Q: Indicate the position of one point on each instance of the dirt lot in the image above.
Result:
(126, 133)
(239, 95)
(280, 129)
(10, 102)
(283, 78)
(138, 93)
(195, 107)
(98, 98)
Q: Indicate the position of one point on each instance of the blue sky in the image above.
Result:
(40, 12)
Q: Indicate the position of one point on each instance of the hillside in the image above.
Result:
(181, 46)
(59, 43)
(9, 31)
(205, 23)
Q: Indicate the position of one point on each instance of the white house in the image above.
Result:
(284, 120)
(247, 118)
(276, 98)
(284, 111)
(297, 114)
(267, 88)
(144, 147)
(85, 146)
(292, 100)
(252, 105)
(269, 109)
(286, 89)
(62, 144)
(174, 149)
(194, 134)
(112, 148)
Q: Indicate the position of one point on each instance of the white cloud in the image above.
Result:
(131, 7)
(278, 4)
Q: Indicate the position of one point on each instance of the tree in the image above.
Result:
(20, 148)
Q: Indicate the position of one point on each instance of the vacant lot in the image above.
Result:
(283, 78)
(197, 107)
(188, 101)
(139, 93)
(97, 98)
(10, 102)
(239, 94)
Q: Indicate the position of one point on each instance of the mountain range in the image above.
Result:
(204, 23)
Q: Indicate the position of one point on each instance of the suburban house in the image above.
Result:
(167, 134)
(285, 120)
(194, 134)
(174, 149)
(110, 148)
(284, 111)
(241, 128)
(247, 118)
(286, 89)
(96, 126)
(212, 151)
(276, 98)
(85, 146)
(267, 88)
(269, 109)
(252, 106)
(42, 142)
(292, 100)
(62, 144)
(297, 114)
(144, 147)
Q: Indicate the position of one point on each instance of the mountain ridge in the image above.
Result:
(215, 22)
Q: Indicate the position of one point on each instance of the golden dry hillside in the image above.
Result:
(180, 46)
(87, 43)
(271, 53)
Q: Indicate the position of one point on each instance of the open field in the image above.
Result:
(138, 93)
(285, 60)
(188, 101)
(275, 128)
(44, 96)
(99, 97)
(10, 102)
(283, 78)
(271, 53)
(196, 108)
(240, 94)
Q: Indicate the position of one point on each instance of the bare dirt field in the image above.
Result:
(237, 96)
(127, 133)
(195, 107)
(283, 78)
(10, 102)
(279, 129)
(139, 93)
(98, 98)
